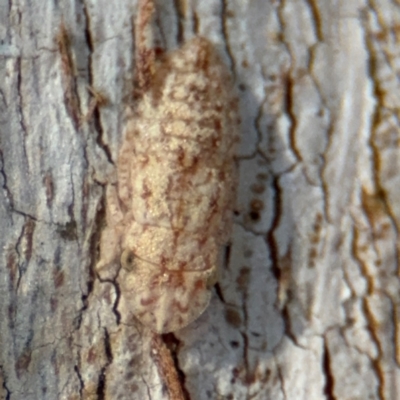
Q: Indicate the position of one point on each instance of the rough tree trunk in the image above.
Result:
(307, 306)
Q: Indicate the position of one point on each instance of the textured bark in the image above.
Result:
(307, 306)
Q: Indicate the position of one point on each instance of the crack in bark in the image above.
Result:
(289, 109)
(4, 185)
(248, 378)
(219, 292)
(316, 19)
(276, 268)
(281, 380)
(363, 268)
(195, 22)
(324, 183)
(180, 18)
(289, 103)
(269, 237)
(24, 254)
(4, 384)
(245, 338)
(225, 35)
(101, 385)
(379, 370)
(147, 387)
(244, 280)
(9, 195)
(20, 104)
(288, 327)
(71, 96)
(99, 100)
(358, 261)
(116, 302)
(329, 376)
(102, 379)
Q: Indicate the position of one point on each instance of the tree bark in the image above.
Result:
(307, 305)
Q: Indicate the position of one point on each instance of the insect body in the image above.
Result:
(171, 211)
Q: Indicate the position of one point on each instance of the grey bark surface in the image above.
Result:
(307, 305)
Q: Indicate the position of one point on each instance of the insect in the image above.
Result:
(170, 211)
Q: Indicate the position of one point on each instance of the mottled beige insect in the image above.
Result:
(171, 211)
